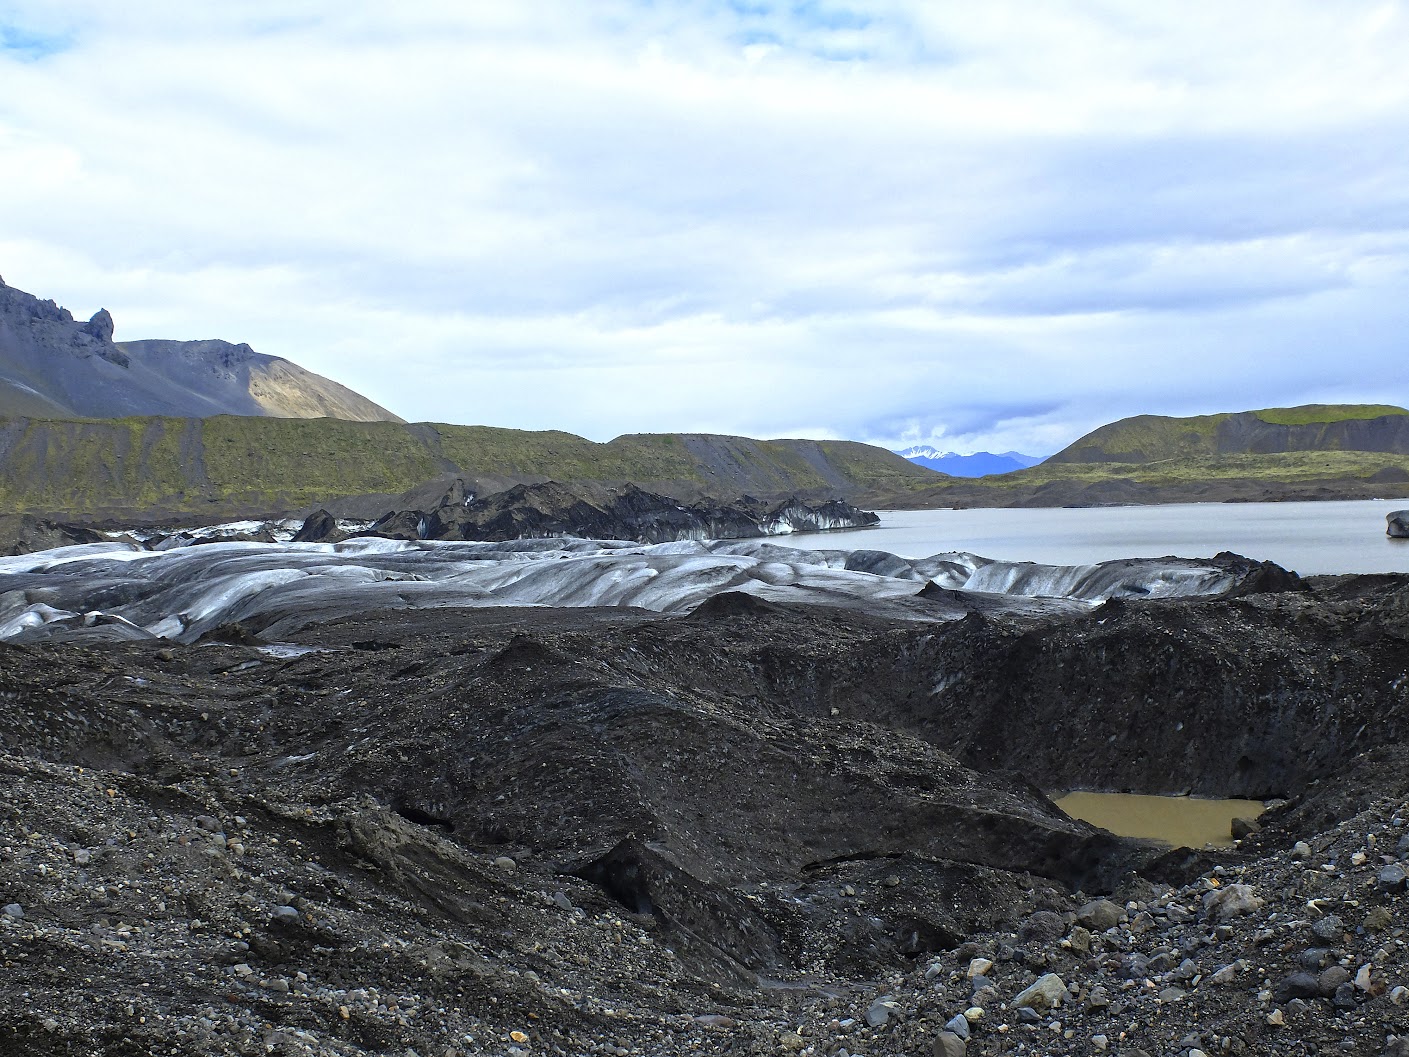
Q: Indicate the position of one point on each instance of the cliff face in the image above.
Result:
(1314, 427)
(1248, 433)
(51, 365)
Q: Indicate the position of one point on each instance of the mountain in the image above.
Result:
(52, 366)
(1315, 451)
(1311, 427)
(979, 464)
(156, 468)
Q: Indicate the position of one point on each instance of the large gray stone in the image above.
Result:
(1101, 914)
(1232, 901)
(1047, 992)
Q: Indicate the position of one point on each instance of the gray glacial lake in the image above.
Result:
(1309, 538)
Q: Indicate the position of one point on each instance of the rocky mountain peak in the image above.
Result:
(54, 366)
(100, 326)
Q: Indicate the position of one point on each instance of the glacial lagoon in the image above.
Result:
(1308, 538)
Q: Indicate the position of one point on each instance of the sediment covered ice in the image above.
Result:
(120, 590)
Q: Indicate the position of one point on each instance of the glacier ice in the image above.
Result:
(120, 589)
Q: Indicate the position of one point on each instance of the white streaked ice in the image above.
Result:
(119, 590)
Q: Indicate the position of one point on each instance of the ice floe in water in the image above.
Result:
(118, 590)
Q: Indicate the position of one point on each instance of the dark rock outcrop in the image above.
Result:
(100, 326)
(1256, 577)
(24, 534)
(1397, 524)
(319, 527)
(177, 540)
(629, 513)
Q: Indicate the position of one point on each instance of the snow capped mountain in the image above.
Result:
(924, 451)
(979, 464)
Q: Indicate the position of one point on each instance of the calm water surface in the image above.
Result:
(1309, 538)
(1179, 820)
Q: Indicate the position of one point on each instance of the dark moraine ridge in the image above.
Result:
(591, 831)
(628, 513)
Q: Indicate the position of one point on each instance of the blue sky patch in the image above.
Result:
(27, 44)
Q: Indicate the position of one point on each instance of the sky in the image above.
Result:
(980, 226)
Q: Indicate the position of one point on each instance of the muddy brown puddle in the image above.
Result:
(1182, 821)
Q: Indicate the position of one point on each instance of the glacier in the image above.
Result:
(120, 590)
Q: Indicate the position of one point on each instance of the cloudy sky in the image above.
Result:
(986, 226)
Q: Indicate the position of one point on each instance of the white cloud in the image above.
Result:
(998, 224)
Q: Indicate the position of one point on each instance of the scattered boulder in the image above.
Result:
(1331, 978)
(1298, 985)
(1100, 914)
(1047, 992)
(1231, 901)
(1243, 828)
(1328, 929)
(319, 527)
(879, 1011)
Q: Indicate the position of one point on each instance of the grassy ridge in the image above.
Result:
(1314, 451)
(1158, 438)
(292, 462)
(81, 464)
(224, 466)
(1146, 437)
(1281, 475)
(227, 464)
(1319, 414)
(1280, 466)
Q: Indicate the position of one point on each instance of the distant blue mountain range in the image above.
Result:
(979, 464)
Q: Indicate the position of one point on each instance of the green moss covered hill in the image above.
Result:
(229, 465)
(1316, 451)
(1312, 427)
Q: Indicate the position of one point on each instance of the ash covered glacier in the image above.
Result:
(550, 509)
(119, 590)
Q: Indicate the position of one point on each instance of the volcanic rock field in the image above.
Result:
(581, 797)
